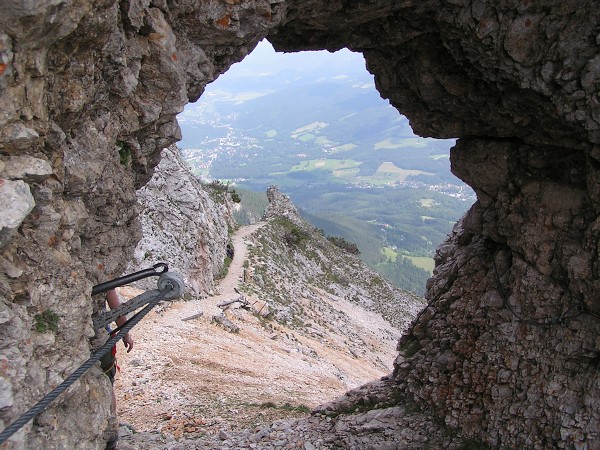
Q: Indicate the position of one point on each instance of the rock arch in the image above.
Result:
(507, 350)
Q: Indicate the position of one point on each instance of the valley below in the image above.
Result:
(314, 125)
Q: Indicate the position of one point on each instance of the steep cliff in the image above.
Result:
(506, 352)
(181, 225)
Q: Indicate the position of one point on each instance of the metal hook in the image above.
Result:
(163, 265)
(126, 279)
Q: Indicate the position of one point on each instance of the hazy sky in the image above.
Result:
(264, 56)
(265, 62)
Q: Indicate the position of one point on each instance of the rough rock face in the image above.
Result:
(181, 225)
(507, 351)
(280, 205)
(509, 342)
(89, 93)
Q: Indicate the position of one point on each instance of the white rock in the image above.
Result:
(16, 202)
(21, 166)
(181, 226)
(6, 393)
(20, 136)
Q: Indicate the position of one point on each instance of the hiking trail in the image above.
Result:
(192, 377)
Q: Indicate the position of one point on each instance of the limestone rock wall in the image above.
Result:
(508, 346)
(181, 225)
(89, 93)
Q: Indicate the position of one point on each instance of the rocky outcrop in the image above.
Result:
(90, 91)
(509, 340)
(281, 206)
(291, 263)
(181, 225)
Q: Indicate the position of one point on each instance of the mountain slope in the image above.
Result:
(308, 330)
(301, 261)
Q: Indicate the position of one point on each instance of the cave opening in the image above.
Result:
(313, 124)
(516, 82)
(318, 117)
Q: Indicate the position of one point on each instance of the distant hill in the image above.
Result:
(400, 270)
(313, 124)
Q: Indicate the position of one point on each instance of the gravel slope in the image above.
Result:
(190, 378)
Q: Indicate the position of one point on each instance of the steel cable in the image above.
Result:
(52, 395)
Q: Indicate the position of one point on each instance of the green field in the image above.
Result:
(378, 180)
(242, 97)
(391, 170)
(396, 143)
(310, 128)
(343, 148)
(322, 140)
(423, 262)
(329, 165)
(305, 137)
(389, 254)
(346, 173)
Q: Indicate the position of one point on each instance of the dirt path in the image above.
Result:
(226, 287)
(193, 377)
